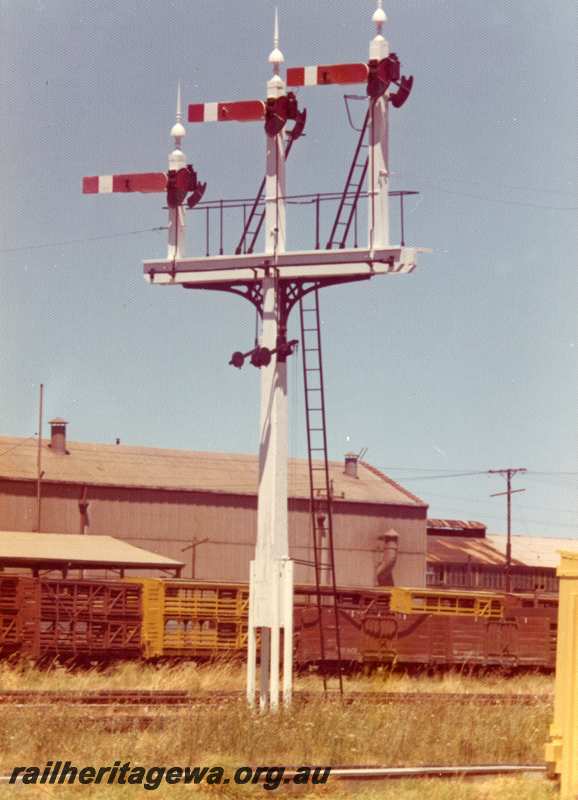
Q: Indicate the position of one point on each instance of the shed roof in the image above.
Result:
(454, 549)
(529, 551)
(535, 551)
(185, 470)
(76, 551)
(456, 527)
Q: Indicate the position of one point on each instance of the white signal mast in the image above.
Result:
(177, 161)
(378, 186)
(271, 572)
(274, 281)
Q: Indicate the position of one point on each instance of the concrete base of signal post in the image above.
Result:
(270, 627)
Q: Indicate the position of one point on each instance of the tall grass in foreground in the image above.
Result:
(439, 732)
(187, 676)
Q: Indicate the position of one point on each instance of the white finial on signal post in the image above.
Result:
(178, 130)
(276, 56)
(177, 160)
(275, 185)
(276, 85)
(379, 16)
(378, 173)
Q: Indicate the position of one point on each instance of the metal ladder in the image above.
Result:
(350, 196)
(319, 479)
(254, 222)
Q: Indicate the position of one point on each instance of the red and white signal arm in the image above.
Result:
(136, 182)
(326, 74)
(234, 111)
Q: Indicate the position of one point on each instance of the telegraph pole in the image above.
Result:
(39, 472)
(508, 474)
(193, 548)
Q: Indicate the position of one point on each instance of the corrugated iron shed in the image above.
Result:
(535, 551)
(463, 549)
(182, 470)
(455, 527)
(527, 551)
(72, 551)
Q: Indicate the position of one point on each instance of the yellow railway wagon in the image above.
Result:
(562, 749)
(184, 618)
(449, 602)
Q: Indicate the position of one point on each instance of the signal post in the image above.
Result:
(271, 572)
(274, 281)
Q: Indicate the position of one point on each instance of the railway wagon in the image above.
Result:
(193, 619)
(70, 619)
(196, 619)
(154, 618)
(18, 615)
(523, 639)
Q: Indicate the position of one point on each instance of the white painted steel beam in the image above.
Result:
(308, 264)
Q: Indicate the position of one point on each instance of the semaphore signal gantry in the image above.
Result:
(274, 280)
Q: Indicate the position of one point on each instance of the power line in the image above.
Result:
(80, 241)
(544, 523)
(468, 500)
(441, 477)
(535, 472)
(442, 472)
(472, 182)
(438, 188)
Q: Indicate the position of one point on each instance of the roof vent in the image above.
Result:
(351, 462)
(58, 435)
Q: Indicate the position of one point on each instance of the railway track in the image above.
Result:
(368, 774)
(182, 698)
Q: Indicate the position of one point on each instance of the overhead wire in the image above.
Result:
(478, 500)
(500, 201)
(66, 242)
(439, 477)
(472, 471)
(473, 182)
(542, 523)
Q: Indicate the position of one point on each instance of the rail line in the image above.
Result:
(412, 773)
(43, 698)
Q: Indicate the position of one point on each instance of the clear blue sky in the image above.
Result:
(466, 365)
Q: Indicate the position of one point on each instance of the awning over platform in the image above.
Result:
(63, 552)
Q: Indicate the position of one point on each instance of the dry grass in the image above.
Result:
(435, 732)
(316, 732)
(188, 676)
